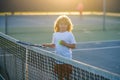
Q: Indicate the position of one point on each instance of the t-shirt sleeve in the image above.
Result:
(72, 39)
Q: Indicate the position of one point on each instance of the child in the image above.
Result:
(63, 41)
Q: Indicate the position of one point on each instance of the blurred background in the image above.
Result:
(29, 20)
(57, 5)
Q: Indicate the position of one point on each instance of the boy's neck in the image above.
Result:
(63, 31)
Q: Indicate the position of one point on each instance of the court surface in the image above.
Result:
(102, 54)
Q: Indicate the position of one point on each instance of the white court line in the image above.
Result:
(96, 48)
(97, 41)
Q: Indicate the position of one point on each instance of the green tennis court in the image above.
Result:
(88, 28)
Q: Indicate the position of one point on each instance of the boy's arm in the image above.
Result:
(51, 45)
(72, 46)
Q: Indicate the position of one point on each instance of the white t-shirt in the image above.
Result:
(60, 49)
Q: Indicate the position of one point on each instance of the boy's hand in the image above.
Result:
(44, 45)
(63, 43)
(49, 45)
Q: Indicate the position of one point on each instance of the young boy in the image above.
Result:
(63, 41)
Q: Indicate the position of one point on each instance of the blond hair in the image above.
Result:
(64, 20)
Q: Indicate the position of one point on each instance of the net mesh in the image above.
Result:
(29, 63)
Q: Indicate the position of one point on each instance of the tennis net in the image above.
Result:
(24, 62)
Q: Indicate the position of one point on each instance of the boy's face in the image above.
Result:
(63, 27)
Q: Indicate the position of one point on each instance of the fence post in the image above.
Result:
(6, 24)
(104, 15)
